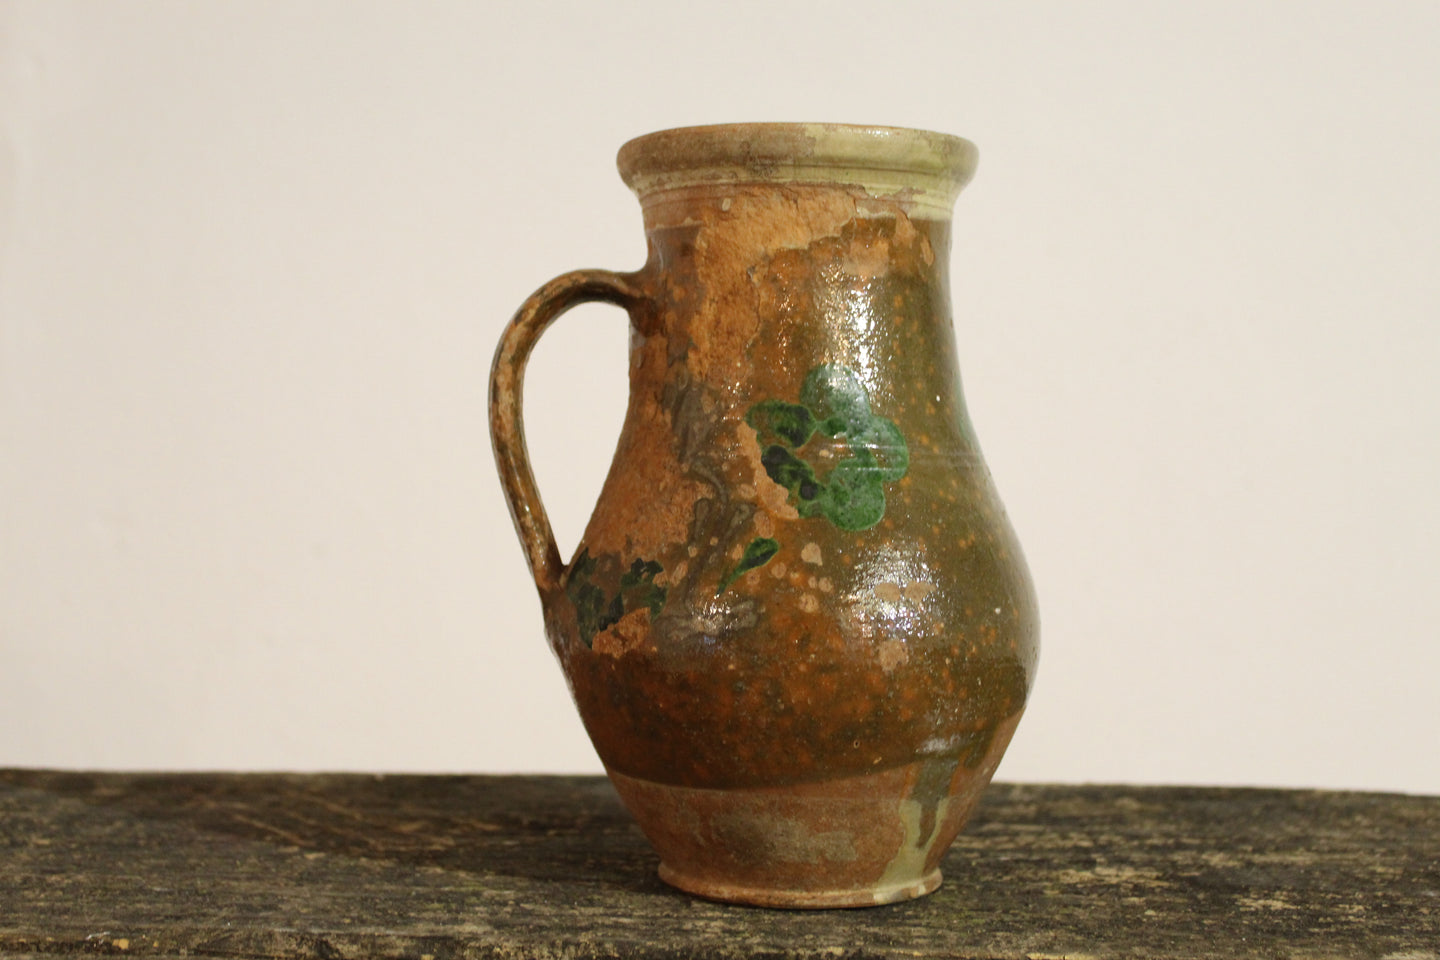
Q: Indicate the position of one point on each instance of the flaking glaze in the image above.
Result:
(798, 628)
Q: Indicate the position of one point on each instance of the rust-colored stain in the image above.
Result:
(798, 628)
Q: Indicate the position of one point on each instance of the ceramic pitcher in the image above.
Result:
(798, 628)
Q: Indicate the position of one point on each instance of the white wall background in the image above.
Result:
(254, 258)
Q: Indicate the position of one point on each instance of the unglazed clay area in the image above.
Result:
(798, 627)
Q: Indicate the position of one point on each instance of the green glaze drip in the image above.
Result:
(759, 552)
(596, 610)
(638, 587)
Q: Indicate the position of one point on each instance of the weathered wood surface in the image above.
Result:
(404, 866)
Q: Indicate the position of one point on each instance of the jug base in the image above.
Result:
(852, 841)
(876, 896)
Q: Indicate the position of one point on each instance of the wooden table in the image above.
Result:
(512, 867)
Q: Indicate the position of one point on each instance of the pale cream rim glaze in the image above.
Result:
(923, 171)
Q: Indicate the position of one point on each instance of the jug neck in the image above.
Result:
(778, 248)
(755, 283)
(765, 247)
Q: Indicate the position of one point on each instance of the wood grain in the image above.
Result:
(511, 867)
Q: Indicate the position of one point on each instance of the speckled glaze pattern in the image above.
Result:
(798, 628)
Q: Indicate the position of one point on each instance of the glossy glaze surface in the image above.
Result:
(798, 588)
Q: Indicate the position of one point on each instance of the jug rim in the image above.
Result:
(921, 168)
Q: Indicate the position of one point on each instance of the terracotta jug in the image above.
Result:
(798, 628)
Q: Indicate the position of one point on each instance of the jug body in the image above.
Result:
(798, 627)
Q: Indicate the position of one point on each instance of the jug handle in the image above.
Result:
(507, 428)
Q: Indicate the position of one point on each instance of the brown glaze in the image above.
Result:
(798, 627)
